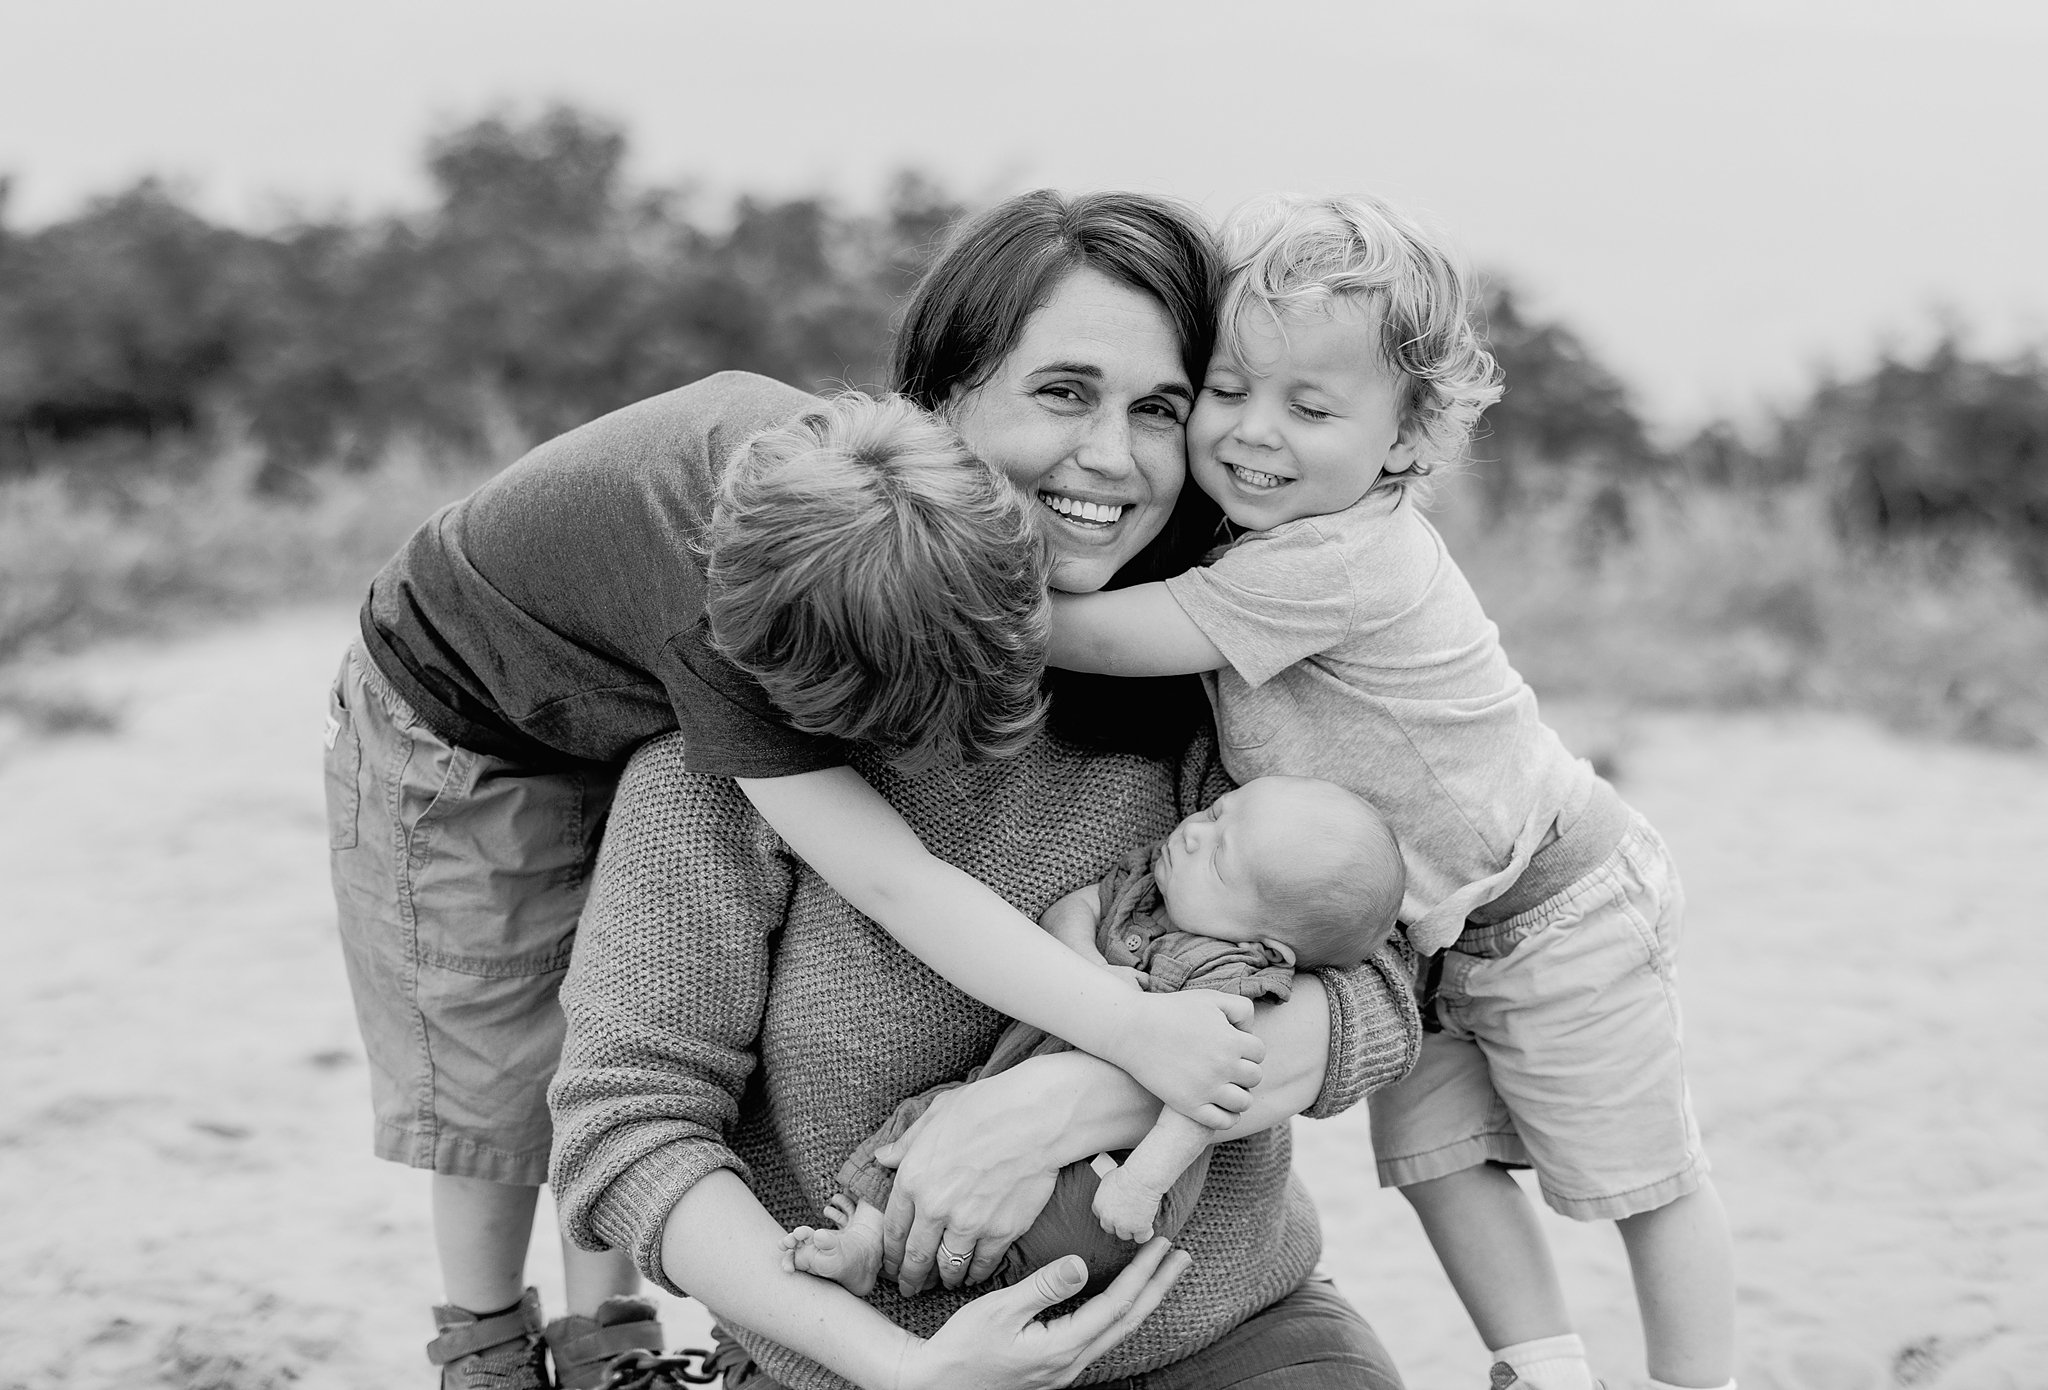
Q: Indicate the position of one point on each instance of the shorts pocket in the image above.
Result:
(344, 769)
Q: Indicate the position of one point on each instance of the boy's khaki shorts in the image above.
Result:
(459, 877)
(1561, 1049)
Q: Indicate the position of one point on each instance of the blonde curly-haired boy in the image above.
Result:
(1339, 640)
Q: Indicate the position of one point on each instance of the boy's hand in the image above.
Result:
(1190, 1049)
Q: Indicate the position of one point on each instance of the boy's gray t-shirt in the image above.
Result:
(556, 614)
(1359, 654)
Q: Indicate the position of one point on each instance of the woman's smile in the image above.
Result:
(1082, 512)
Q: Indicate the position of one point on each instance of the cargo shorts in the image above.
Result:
(458, 877)
(1562, 1048)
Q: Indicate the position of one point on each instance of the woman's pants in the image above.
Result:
(1312, 1339)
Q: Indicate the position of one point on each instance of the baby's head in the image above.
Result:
(1294, 860)
(882, 583)
(1346, 360)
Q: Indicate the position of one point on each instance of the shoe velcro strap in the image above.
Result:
(606, 1342)
(483, 1334)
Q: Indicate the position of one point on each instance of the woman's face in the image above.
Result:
(1088, 413)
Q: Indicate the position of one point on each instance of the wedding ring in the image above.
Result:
(952, 1257)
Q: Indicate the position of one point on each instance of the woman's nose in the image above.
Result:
(1106, 448)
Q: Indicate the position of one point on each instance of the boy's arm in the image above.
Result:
(1139, 631)
(1187, 1049)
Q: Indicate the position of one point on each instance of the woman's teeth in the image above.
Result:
(1251, 477)
(1074, 509)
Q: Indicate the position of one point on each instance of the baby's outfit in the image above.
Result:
(1132, 930)
(1359, 654)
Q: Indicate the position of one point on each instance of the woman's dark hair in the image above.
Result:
(1000, 267)
(966, 314)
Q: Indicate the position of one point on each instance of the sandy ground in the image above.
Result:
(186, 1196)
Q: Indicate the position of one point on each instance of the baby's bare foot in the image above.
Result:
(850, 1258)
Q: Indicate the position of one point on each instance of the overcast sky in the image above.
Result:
(1720, 196)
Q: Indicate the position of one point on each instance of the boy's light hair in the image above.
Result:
(882, 583)
(1293, 255)
(1335, 894)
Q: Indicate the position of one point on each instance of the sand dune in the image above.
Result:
(188, 1197)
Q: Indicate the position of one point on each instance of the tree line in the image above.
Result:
(541, 289)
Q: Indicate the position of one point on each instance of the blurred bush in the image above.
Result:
(1950, 450)
(539, 292)
(195, 417)
(80, 563)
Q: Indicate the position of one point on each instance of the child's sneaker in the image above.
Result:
(500, 1352)
(584, 1347)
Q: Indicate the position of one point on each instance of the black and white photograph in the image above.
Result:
(990, 696)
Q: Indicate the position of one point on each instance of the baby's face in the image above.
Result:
(1207, 868)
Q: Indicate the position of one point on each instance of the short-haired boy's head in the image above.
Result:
(1289, 255)
(1334, 891)
(882, 583)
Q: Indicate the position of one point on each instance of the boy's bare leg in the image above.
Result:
(481, 1231)
(1684, 1273)
(850, 1257)
(592, 1276)
(1484, 1231)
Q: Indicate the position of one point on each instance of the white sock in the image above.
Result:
(1548, 1363)
(1660, 1385)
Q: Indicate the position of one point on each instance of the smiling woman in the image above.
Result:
(1087, 413)
(1062, 338)
(736, 1029)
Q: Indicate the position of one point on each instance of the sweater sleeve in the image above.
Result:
(663, 1002)
(1375, 1030)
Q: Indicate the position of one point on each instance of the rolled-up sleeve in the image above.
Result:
(663, 1002)
(1375, 1030)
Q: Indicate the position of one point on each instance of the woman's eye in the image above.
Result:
(1062, 392)
(1160, 412)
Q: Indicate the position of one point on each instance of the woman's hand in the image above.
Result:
(996, 1342)
(972, 1174)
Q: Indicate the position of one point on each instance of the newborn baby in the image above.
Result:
(1284, 873)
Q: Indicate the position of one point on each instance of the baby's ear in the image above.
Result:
(1279, 948)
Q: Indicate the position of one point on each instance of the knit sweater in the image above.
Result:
(726, 1009)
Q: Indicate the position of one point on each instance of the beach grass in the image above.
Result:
(1701, 598)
